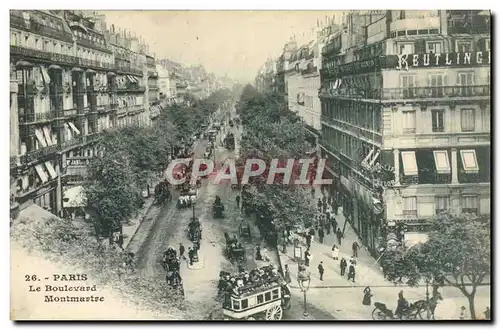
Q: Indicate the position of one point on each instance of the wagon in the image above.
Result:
(244, 230)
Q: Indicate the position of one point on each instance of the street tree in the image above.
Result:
(457, 253)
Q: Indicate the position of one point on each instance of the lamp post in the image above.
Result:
(304, 279)
(427, 280)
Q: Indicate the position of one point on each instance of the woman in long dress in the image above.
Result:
(335, 252)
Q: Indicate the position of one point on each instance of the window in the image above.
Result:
(466, 81)
(407, 83)
(409, 121)
(410, 206)
(470, 204)
(437, 120)
(268, 296)
(469, 161)
(434, 47)
(13, 39)
(275, 294)
(468, 119)
(442, 162)
(244, 304)
(442, 203)
(236, 304)
(405, 48)
(464, 46)
(260, 299)
(436, 82)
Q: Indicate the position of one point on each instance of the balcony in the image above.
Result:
(32, 118)
(56, 58)
(410, 93)
(365, 134)
(17, 21)
(470, 29)
(135, 108)
(39, 153)
(70, 113)
(128, 69)
(131, 88)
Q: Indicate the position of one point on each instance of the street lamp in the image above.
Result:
(427, 280)
(304, 279)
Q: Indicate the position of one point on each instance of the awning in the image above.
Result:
(40, 138)
(34, 214)
(68, 131)
(415, 238)
(73, 127)
(51, 170)
(41, 173)
(76, 69)
(24, 64)
(442, 162)
(45, 75)
(469, 161)
(90, 71)
(409, 163)
(374, 159)
(74, 197)
(54, 67)
(131, 79)
(48, 136)
(111, 74)
(365, 161)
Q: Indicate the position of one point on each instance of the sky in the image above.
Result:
(235, 43)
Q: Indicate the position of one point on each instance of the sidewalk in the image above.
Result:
(130, 228)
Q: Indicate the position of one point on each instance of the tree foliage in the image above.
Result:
(271, 132)
(457, 253)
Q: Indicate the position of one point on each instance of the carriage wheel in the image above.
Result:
(422, 314)
(274, 313)
(378, 315)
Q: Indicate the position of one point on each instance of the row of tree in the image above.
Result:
(273, 132)
(128, 160)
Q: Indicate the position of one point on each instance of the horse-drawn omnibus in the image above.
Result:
(263, 298)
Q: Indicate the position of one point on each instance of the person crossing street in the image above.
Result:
(321, 270)
(182, 249)
(238, 201)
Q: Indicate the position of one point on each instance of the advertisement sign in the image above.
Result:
(407, 61)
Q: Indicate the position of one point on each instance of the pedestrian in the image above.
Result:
(321, 234)
(339, 236)
(182, 249)
(191, 255)
(265, 256)
(320, 205)
(335, 252)
(343, 266)
(288, 278)
(313, 192)
(487, 313)
(238, 201)
(463, 313)
(352, 274)
(328, 224)
(258, 255)
(312, 232)
(307, 257)
(321, 270)
(120, 241)
(308, 240)
(333, 224)
(355, 248)
(367, 297)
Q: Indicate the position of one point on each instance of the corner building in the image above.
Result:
(406, 119)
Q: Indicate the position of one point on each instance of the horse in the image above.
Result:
(422, 306)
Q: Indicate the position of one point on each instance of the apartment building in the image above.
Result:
(406, 118)
(70, 80)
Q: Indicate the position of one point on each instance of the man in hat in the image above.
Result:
(321, 270)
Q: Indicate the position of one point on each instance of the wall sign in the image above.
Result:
(406, 61)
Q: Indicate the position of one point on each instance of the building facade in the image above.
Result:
(406, 118)
(70, 80)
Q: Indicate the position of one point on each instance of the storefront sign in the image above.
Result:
(406, 61)
(357, 67)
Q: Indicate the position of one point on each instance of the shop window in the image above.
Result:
(470, 204)
(442, 204)
(410, 206)
(437, 120)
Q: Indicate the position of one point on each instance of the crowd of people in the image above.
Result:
(248, 282)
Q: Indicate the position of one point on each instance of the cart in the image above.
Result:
(244, 230)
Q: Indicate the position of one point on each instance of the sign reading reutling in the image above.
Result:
(405, 61)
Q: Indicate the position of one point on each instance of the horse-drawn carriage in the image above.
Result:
(229, 141)
(162, 193)
(169, 261)
(259, 294)
(211, 134)
(194, 230)
(217, 208)
(188, 196)
(234, 250)
(244, 230)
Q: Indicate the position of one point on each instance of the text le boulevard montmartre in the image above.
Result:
(405, 61)
(67, 298)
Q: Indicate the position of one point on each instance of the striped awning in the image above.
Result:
(54, 67)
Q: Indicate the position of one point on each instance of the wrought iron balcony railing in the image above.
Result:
(18, 21)
(36, 117)
(36, 154)
(59, 58)
(438, 92)
(470, 29)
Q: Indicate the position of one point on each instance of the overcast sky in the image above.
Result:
(232, 42)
